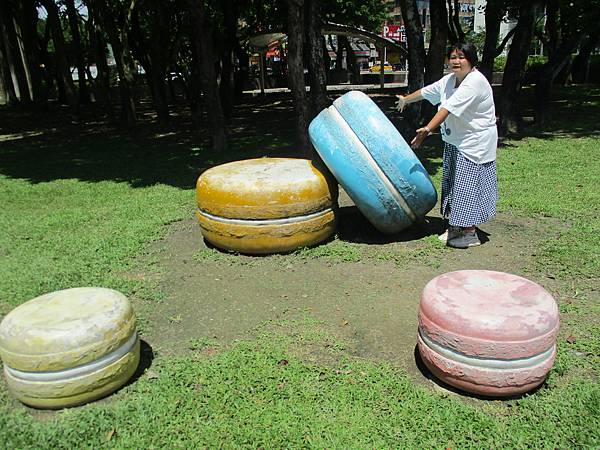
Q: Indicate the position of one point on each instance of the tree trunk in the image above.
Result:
(295, 25)
(494, 12)
(5, 95)
(152, 50)
(543, 88)
(416, 57)
(227, 87)
(510, 116)
(316, 64)
(326, 57)
(196, 96)
(158, 89)
(74, 25)
(552, 19)
(343, 46)
(205, 49)
(460, 34)
(580, 70)
(436, 56)
(127, 67)
(48, 72)
(563, 77)
(565, 32)
(12, 55)
(339, 53)
(31, 42)
(434, 68)
(117, 32)
(62, 63)
(98, 47)
(351, 64)
(126, 82)
(23, 59)
(455, 31)
(241, 77)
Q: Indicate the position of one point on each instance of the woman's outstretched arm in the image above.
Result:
(435, 122)
(404, 100)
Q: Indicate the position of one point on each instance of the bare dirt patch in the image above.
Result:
(370, 304)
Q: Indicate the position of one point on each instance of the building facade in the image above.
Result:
(466, 13)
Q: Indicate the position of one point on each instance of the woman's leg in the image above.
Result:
(475, 193)
(448, 174)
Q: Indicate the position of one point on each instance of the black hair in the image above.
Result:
(468, 49)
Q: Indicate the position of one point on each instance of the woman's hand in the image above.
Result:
(422, 133)
(401, 103)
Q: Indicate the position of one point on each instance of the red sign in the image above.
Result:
(273, 50)
(395, 32)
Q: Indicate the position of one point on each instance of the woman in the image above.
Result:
(467, 118)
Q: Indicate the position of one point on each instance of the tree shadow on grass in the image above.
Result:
(574, 114)
(43, 147)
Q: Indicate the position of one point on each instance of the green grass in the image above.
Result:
(210, 254)
(66, 233)
(557, 178)
(73, 215)
(428, 251)
(213, 255)
(258, 394)
(334, 251)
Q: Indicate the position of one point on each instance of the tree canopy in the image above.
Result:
(73, 50)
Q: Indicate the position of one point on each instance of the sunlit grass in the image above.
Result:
(258, 394)
(335, 251)
(557, 178)
(71, 216)
(67, 233)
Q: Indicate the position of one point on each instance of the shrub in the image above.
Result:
(534, 62)
(499, 63)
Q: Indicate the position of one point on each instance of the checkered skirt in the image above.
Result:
(469, 190)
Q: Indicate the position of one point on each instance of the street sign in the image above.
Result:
(395, 32)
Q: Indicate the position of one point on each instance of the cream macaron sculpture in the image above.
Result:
(69, 347)
(266, 205)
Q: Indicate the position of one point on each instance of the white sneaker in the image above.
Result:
(465, 239)
(450, 233)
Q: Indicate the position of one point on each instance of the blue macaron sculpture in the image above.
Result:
(373, 163)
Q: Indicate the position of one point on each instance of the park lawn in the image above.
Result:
(68, 233)
(258, 395)
(559, 178)
(89, 230)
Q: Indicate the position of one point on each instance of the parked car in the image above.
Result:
(172, 76)
(377, 67)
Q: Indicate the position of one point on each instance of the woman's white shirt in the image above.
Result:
(471, 124)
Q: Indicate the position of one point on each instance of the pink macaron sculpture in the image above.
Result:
(487, 333)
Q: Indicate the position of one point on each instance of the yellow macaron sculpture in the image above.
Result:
(69, 347)
(266, 205)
